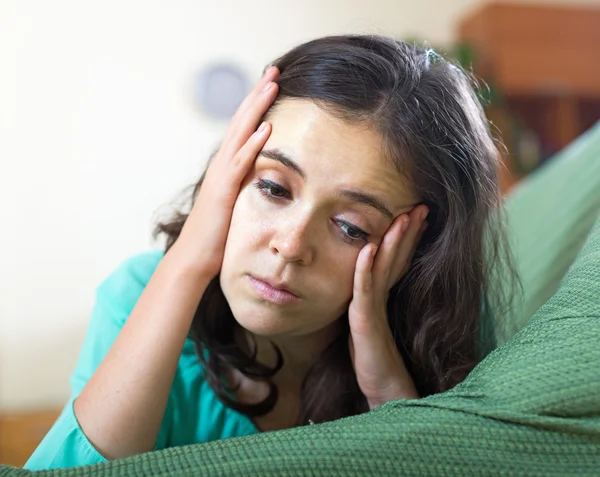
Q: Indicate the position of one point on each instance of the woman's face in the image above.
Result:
(318, 192)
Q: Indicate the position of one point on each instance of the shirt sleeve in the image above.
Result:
(66, 445)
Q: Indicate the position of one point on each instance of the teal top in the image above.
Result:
(193, 414)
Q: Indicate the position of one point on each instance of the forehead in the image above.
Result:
(342, 153)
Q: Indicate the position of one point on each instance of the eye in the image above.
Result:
(271, 189)
(352, 234)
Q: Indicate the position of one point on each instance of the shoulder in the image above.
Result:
(122, 288)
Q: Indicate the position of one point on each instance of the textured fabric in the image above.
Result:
(550, 215)
(193, 414)
(532, 407)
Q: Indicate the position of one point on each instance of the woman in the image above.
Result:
(337, 257)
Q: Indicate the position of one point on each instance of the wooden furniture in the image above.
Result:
(545, 61)
(20, 434)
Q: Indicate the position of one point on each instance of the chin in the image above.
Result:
(260, 321)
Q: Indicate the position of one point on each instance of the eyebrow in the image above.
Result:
(353, 195)
(279, 156)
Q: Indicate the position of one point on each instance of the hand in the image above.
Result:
(202, 239)
(380, 370)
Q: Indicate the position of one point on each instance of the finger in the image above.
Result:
(245, 157)
(386, 256)
(269, 75)
(240, 130)
(363, 281)
(351, 350)
(412, 253)
(408, 244)
(252, 109)
(362, 298)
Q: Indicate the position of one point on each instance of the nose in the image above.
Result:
(293, 241)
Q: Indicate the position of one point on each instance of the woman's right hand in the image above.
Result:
(201, 242)
(122, 404)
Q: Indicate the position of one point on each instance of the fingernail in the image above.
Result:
(268, 87)
(271, 71)
(424, 214)
(263, 127)
(405, 223)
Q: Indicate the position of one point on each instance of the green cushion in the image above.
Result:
(550, 215)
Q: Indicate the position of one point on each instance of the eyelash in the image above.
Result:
(266, 188)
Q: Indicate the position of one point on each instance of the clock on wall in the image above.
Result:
(220, 89)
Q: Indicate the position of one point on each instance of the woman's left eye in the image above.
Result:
(351, 233)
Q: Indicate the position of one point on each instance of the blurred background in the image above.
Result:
(109, 109)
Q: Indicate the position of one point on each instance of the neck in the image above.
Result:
(299, 354)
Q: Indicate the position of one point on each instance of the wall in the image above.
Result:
(98, 131)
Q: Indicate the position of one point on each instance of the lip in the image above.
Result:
(268, 291)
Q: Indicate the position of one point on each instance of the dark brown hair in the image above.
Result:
(441, 312)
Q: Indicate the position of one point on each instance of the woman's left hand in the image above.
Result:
(380, 370)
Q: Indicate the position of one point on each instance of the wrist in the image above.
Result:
(179, 262)
(394, 393)
(399, 385)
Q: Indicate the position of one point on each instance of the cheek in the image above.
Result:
(338, 277)
(246, 222)
(246, 234)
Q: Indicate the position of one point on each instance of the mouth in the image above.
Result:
(273, 292)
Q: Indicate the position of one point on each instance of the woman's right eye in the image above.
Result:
(271, 189)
